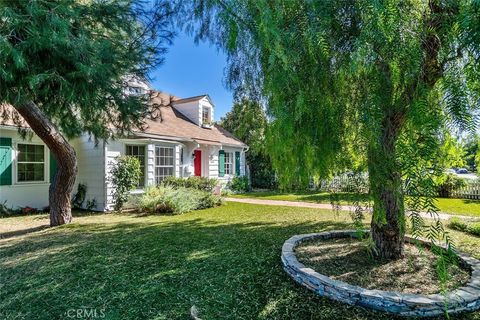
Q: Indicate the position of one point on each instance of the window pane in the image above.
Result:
(30, 163)
(164, 163)
(228, 163)
(39, 172)
(31, 172)
(139, 153)
(39, 155)
(31, 153)
(29, 176)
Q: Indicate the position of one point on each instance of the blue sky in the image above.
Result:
(190, 70)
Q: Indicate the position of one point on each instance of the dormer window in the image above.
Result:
(199, 110)
(136, 90)
(206, 116)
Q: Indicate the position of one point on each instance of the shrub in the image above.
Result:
(194, 182)
(238, 184)
(457, 224)
(226, 192)
(448, 184)
(470, 228)
(79, 197)
(474, 229)
(125, 174)
(6, 211)
(91, 204)
(167, 199)
(209, 200)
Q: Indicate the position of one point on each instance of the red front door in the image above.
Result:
(197, 163)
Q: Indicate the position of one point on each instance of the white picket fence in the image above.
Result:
(471, 191)
(343, 183)
(350, 183)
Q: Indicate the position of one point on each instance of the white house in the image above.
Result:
(180, 140)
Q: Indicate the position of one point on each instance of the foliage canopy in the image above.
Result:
(329, 70)
(348, 81)
(248, 121)
(71, 58)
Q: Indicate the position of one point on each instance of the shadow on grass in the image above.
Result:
(87, 213)
(344, 198)
(158, 269)
(22, 232)
(469, 201)
(309, 196)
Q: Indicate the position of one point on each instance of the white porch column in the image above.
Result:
(177, 160)
(150, 161)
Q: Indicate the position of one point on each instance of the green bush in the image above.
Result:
(125, 174)
(168, 199)
(194, 182)
(6, 211)
(226, 192)
(457, 224)
(470, 228)
(238, 184)
(448, 184)
(474, 229)
(209, 200)
(79, 197)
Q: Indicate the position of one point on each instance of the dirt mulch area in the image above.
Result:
(348, 260)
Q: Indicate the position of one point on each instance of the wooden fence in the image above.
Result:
(343, 183)
(471, 191)
(359, 183)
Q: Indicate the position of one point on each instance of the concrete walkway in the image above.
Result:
(299, 204)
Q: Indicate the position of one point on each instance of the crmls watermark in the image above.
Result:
(85, 313)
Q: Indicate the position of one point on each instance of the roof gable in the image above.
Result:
(193, 99)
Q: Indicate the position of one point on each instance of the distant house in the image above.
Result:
(181, 140)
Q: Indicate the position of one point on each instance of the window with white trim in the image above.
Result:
(206, 115)
(30, 163)
(164, 163)
(139, 153)
(228, 162)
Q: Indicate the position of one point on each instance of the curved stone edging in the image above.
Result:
(466, 298)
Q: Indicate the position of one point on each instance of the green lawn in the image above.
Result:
(452, 206)
(225, 260)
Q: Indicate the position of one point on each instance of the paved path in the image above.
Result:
(442, 216)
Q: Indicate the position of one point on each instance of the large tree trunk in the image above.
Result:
(62, 184)
(388, 221)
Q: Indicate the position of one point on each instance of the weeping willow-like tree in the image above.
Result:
(355, 79)
(63, 67)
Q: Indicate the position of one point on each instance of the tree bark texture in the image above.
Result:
(62, 185)
(388, 222)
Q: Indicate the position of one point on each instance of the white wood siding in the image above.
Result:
(33, 194)
(150, 174)
(91, 172)
(91, 169)
(213, 165)
(190, 110)
(193, 110)
(213, 162)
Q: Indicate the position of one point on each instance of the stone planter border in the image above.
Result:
(466, 298)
